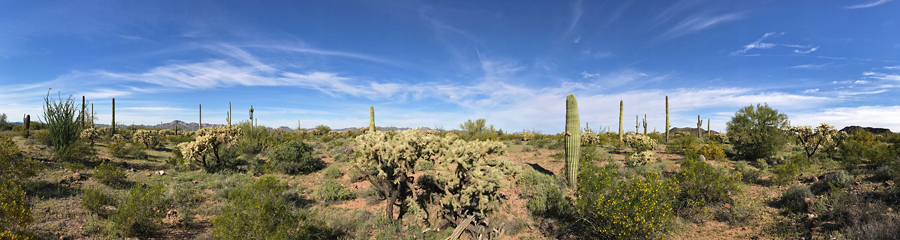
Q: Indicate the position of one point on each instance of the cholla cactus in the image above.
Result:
(208, 142)
(641, 158)
(589, 138)
(117, 138)
(527, 136)
(166, 132)
(813, 140)
(145, 137)
(640, 143)
(719, 138)
(90, 134)
(388, 160)
(473, 186)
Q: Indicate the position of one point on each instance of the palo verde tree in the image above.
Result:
(756, 132)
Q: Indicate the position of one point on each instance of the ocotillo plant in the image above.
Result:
(573, 140)
(645, 124)
(229, 114)
(621, 107)
(371, 119)
(667, 119)
(27, 122)
(699, 124)
(113, 117)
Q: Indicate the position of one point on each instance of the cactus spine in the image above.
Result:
(699, 124)
(621, 107)
(113, 117)
(371, 118)
(573, 140)
(229, 114)
(667, 119)
(645, 124)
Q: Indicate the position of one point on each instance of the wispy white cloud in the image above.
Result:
(696, 23)
(596, 54)
(577, 11)
(323, 52)
(815, 90)
(807, 51)
(882, 76)
(758, 44)
(892, 67)
(868, 5)
(810, 66)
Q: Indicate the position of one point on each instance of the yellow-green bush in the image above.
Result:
(638, 207)
(330, 190)
(545, 198)
(703, 185)
(712, 152)
(295, 157)
(682, 143)
(15, 213)
(785, 173)
(94, 199)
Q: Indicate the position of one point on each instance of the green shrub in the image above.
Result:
(702, 185)
(634, 208)
(111, 175)
(14, 165)
(886, 172)
(330, 191)
(756, 132)
(792, 199)
(424, 166)
(42, 137)
(748, 173)
(142, 212)
(786, 173)
(332, 172)
(545, 198)
(259, 211)
(863, 147)
(836, 180)
(761, 164)
(681, 143)
(94, 200)
(295, 157)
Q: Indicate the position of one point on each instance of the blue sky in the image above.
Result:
(439, 63)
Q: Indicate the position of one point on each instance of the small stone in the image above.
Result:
(889, 183)
(76, 176)
(161, 172)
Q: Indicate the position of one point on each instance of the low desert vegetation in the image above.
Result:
(761, 179)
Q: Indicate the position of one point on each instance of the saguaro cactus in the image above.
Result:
(699, 124)
(371, 119)
(621, 107)
(251, 120)
(27, 122)
(573, 140)
(637, 124)
(113, 117)
(83, 115)
(92, 115)
(229, 114)
(200, 113)
(707, 128)
(667, 119)
(645, 124)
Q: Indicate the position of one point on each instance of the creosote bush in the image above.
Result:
(712, 152)
(15, 213)
(330, 191)
(792, 199)
(295, 157)
(637, 207)
(682, 143)
(94, 201)
(786, 173)
(142, 212)
(545, 198)
(703, 185)
(109, 174)
(258, 211)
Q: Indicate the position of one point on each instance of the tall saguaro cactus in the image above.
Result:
(667, 119)
(371, 118)
(27, 122)
(699, 124)
(645, 124)
(573, 140)
(621, 107)
(708, 131)
(92, 114)
(637, 124)
(200, 113)
(229, 114)
(113, 117)
(251, 120)
(82, 112)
